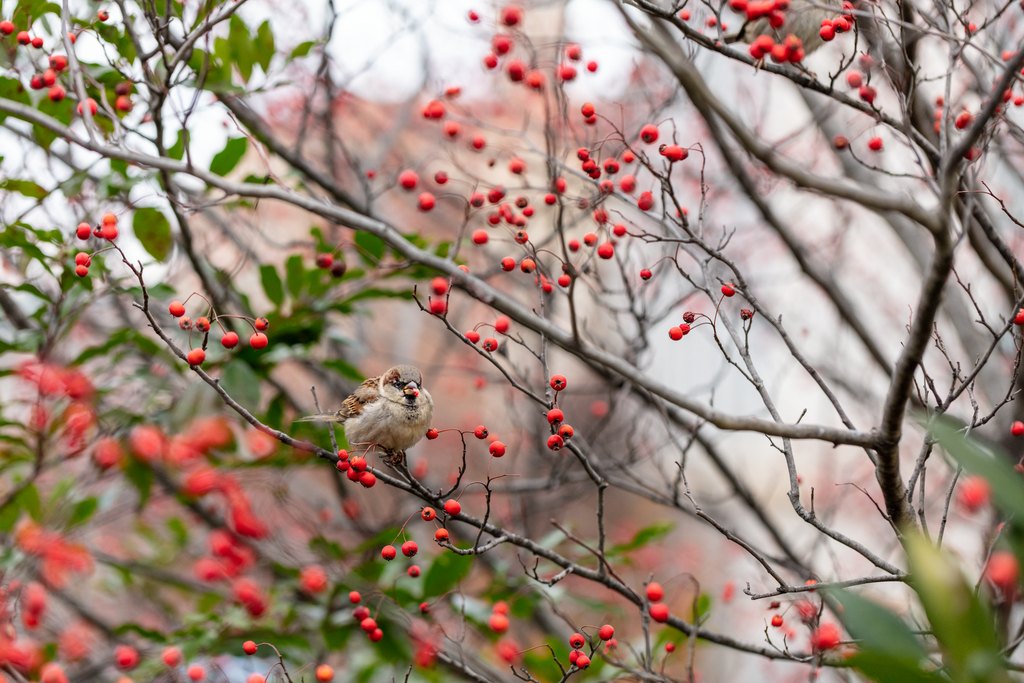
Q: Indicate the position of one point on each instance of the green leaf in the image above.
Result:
(142, 477)
(83, 511)
(24, 187)
(28, 500)
(995, 467)
(153, 230)
(958, 620)
(177, 150)
(370, 245)
(208, 602)
(446, 571)
(177, 527)
(888, 669)
(642, 538)
(294, 274)
(272, 286)
(335, 637)
(264, 45)
(302, 49)
(241, 48)
(9, 515)
(876, 628)
(344, 368)
(226, 159)
(242, 384)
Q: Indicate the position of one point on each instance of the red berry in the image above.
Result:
(727, 289)
(93, 108)
(196, 357)
(258, 341)
(592, 66)
(408, 179)
(409, 548)
(229, 340)
(497, 449)
(498, 623)
(388, 553)
(368, 624)
(564, 280)
(582, 661)
(367, 479)
(473, 336)
(502, 324)
(558, 382)
(83, 231)
(261, 324)
(555, 416)
(126, 657)
(413, 571)
(508, 264)
(428, 514)
(479, 237)
(441, 535)
(81, 271)
(1017, 320)
(452, 507)
(324, 260)
(777, 620)
(825, 637)
(974, 493)
(606, 632)
(1017, 429)
(555, 442)
(645, 274)
(249, 647)
(196, 672)
(875, 144)
(659, 612)
(527, 265)
(655, 592)
(172, 655)
(646, 201)
(576, 640)
(324, 673)
(1002, 571)
(354, 597)
(376, 635)
(490, 344)
(6, 27)
(426, 201)
(606, 250)
(480, 432)
(565, 431)
(840, 142)
(649, 133)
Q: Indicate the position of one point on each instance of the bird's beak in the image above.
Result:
(412, 389)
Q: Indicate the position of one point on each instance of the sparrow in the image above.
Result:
(803, 19)
(392, 411)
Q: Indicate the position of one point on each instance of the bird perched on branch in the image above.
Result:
(802, 18)
(392, 411)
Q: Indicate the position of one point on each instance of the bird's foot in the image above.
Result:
(393, 458)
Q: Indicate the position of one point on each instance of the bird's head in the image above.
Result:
(403, 384)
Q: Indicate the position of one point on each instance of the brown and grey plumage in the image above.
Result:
(392, 411)
(803, 20)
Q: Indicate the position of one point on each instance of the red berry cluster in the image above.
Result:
(229, 340)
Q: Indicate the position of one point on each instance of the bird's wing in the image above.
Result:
(354, 404)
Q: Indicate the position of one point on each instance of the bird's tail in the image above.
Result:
(321, 417)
